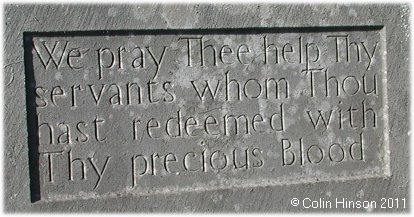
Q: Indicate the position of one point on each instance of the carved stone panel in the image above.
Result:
(142, 112)
(206, 108)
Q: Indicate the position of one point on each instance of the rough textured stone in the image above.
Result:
(290, 156)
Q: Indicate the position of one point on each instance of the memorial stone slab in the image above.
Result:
(206, 108)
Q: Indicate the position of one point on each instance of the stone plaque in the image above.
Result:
(117, 113)
(206, 108)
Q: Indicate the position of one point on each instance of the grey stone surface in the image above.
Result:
(102, 153)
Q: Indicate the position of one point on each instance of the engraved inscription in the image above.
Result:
(143, 112)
